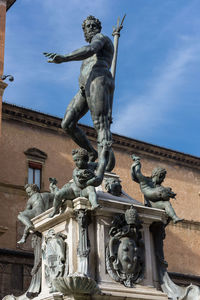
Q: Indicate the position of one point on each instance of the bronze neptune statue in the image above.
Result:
(96, 87)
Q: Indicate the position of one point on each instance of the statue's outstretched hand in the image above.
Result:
(54, 58)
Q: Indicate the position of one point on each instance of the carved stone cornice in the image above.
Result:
(3, 2)
(9, 4)
(184, 279)
(34, 153)
(9, 253)
(12, 189)
(187, 224)
(154, 150)
(20, 114)
(3, 229)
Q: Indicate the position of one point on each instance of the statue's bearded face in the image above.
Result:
(91, 28)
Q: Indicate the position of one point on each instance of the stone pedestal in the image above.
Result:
(97, 284)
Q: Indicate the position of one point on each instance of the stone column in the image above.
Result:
(83, 251)
(2, 45)
(148, 254)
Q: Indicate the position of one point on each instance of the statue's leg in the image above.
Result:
(25, 236)
(171, 212)
(111, 160)
(77, 108)
(65, 193)
(166, 205)
(25, 217)
(90, 193)
(99, 99)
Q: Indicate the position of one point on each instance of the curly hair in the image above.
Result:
(81, 152)
(33, 186)
(94, 19)
(159, 171)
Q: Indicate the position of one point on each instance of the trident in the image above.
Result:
(116, 34)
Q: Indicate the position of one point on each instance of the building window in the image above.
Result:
(35, 165)
(34, 173)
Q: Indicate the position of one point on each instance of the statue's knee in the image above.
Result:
(64, 125)
(68, 127)
(97, 124)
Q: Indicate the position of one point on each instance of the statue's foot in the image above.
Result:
(22, 241)
(93, 155)
(177, 219)
(53, 213)
(31, 229)
(97, 206)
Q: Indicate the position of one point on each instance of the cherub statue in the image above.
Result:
(84, 180)
(36, 204)
(155, 195)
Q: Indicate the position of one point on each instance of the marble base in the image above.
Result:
(98, 235)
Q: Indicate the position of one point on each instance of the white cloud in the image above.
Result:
(145, 113)
(56, 26)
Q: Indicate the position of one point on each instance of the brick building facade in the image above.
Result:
(33, 140)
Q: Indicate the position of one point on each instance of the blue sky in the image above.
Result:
(158, 72)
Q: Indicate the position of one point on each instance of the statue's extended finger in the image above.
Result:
(46, 54)
(50, 55)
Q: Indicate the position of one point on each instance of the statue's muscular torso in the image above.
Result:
(99, 63)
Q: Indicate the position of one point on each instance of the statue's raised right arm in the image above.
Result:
(136, 173)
